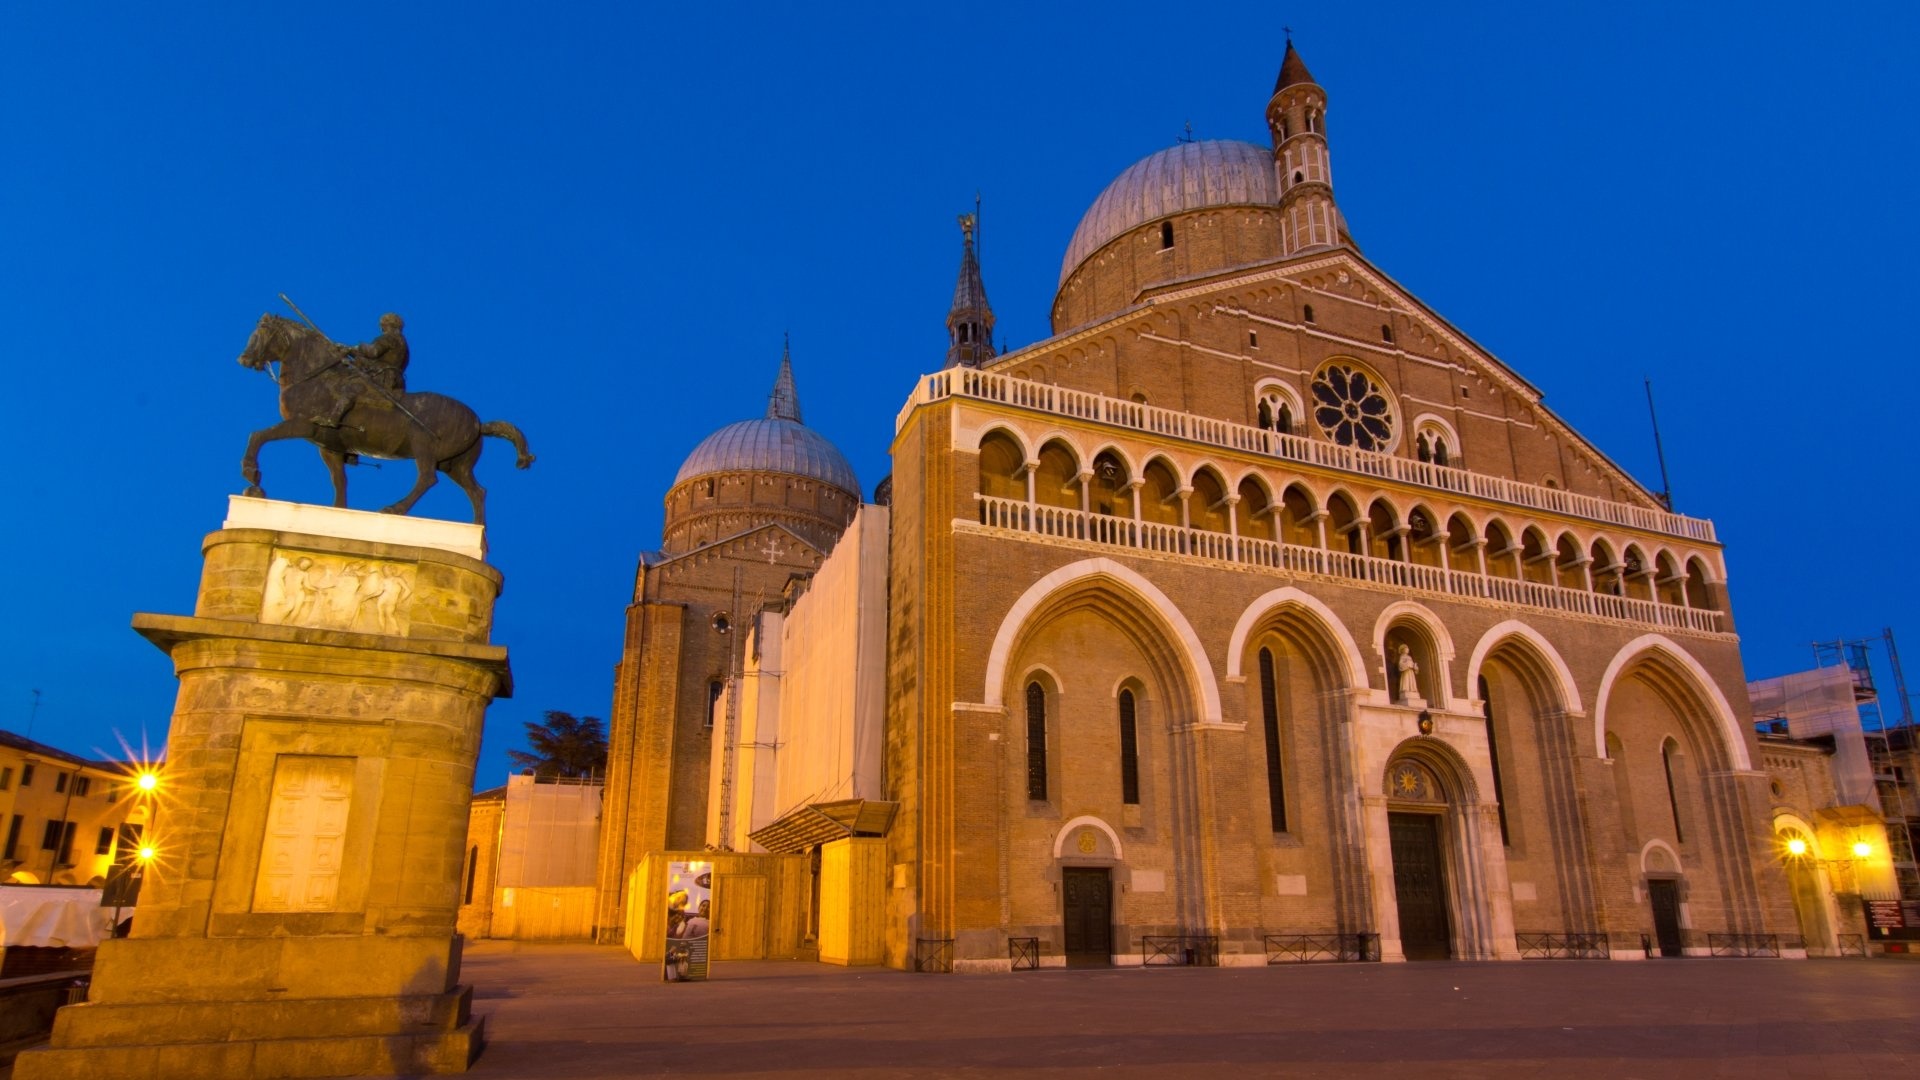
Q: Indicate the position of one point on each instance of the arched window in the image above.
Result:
(1207, 506)
(1307, 312)
(1668, 751)
(1003, 467)
(1270, 722)
(1166, 235)
(1129, 752)
(1493, 758)
(473, 868)
(1386, 333)
(1109, 493)
(1036, 742)
(1275, 412)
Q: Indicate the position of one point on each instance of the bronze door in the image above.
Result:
(1088, 900)
(1419, 886)
(1665, 896)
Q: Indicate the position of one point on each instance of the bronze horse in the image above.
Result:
(436, 431)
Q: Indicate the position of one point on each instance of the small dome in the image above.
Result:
(1186, 176)
(770, 444)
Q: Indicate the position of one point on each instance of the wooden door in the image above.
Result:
(300, 856)
(739, 917)
(1419, 886)
(1665, 896)
(1087, 899)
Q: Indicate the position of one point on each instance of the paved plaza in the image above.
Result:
(565, 1011)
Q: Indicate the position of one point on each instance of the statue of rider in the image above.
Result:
(382, 361)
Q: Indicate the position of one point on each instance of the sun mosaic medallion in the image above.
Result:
(1411, 782)
(1351, 407)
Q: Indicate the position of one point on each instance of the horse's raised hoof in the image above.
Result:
(253, 492)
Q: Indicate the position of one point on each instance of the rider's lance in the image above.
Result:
(347, 362)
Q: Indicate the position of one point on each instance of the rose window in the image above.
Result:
(1352, 408)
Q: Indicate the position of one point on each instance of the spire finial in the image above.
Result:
(784, 402)
(970, 320)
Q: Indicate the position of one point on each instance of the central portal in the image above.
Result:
(1087, 896)
(1419, 886)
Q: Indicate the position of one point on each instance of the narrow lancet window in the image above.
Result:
(1129, 752)
(1493, 759)
(1036, 742)
(1270, 718)
(1673, 795)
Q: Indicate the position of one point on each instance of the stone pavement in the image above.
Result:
(579, 1011)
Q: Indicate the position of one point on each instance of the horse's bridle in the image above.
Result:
(283, 330)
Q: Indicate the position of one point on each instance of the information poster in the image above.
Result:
(1897, 920)
(689, 920)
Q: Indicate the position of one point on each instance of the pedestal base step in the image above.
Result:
(261, 1059)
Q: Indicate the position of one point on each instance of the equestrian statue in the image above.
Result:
(352, 401)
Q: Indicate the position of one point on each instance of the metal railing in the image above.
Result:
(1081, 526)
(933, 955)
(1851, 944)
(1743, 944)
(1024, 952)
(1331, 948)
(1079, 404)
(1180, 950)
(1547, 945)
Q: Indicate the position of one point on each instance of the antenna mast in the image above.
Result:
(979, 257)
(1666, 486)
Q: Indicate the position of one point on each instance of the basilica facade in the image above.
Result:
(1256, 604)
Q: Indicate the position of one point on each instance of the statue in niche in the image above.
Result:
(1409, 668)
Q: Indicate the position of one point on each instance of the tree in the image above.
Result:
(563, 745)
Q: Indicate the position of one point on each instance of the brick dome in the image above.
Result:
(1183, 177)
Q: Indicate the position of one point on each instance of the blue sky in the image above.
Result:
(599, 220)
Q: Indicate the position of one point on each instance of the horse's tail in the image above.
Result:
(500, 429)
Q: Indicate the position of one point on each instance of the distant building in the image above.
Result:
(1845, 807)
(63, 814)
(531, 847)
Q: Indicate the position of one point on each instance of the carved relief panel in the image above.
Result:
(335, 592)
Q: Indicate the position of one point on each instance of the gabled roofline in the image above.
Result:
(1281, 269)
(727, 539)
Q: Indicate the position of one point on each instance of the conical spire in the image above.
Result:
(1297, 117)
(1293, 70)
(784, 402)
(970, 322)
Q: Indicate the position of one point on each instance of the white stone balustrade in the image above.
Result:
(1106, 530)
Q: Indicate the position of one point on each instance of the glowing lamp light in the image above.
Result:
(147, 853)
(1862, 849)
(1796, 846)
(148, 781)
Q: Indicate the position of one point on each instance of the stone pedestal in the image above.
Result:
(311, 822)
